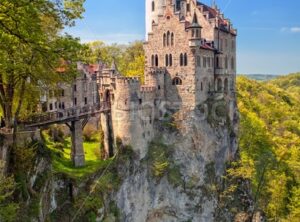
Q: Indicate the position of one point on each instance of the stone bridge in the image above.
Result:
(75, 118)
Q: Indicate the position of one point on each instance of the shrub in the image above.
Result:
(90, 133)
(56, 133)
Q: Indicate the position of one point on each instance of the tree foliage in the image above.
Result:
(130, 59)
(32, 48)
(270, 144)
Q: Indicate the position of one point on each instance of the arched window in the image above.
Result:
(177, 81)
(232, 63)
(219, 85)
(152, 61)
(226, 85)
(185, 60)
(156, 60)
(218, 62)
(170, 60)
(153, 6)
(197, 33)
(198, 61)
(168, 38)
(181, 59)
(201, 86)
(226, 62)
(165, 39)
(167, 60)
(172, 39)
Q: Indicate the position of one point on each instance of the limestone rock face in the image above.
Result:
(199, 147)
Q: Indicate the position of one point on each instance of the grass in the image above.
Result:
(61, 158)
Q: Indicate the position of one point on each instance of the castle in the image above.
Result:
(190, 54)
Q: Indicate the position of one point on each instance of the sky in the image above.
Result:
(268, 39)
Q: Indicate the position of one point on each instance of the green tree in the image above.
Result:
(269, 144)
(34, 48)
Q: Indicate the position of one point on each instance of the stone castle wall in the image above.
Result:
(176, 84)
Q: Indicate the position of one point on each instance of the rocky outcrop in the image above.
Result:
(198, 148)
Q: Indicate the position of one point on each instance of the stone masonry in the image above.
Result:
(190, 57)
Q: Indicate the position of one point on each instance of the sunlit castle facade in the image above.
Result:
(190, 54)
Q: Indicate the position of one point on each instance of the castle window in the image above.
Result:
(181, 59)
(168, 38)
(188, 7)
(221, 44)
(170, 60)
(140, 101)
(185, 60)
(198, 61)
(232, 63)
(176, 81)
(167, 60)
(204, 62)
(156, 60)
(62, 93)
(219, 85)
(50, 106)
(172, 39)
(197, 33)
(152, 61)
(75, 88)
(226, 62)
(75, 101)
(164, 39)
(201, 86)
(85, 101)
(193, 33)
(63, 105)
(226, 85)
(218, 62)
(158, 87)
(208, 61)
(153, 6)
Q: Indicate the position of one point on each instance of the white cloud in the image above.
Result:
(295, 29)
(290, 29)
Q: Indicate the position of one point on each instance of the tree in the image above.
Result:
(130, 59)
(34, 48)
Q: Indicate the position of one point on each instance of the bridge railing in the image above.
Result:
(65, 114)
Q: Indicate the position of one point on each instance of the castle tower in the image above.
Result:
(154, 8)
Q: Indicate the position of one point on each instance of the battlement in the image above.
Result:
(128, 80)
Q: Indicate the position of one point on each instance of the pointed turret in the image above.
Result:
(195, 32)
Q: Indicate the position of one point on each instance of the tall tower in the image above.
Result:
(154, 8)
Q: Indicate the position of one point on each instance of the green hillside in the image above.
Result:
(270, 144)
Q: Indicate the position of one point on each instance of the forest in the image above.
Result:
(269, 140)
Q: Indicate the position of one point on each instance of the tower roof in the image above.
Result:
(195, 23)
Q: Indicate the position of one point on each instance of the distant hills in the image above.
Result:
(261, 77)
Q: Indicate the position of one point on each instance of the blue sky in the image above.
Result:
(268, 30)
